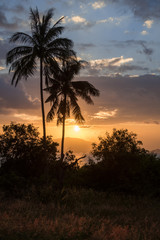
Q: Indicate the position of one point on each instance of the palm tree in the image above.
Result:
(64, 93)
(44, 45)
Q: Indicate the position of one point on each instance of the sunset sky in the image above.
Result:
(120, 39)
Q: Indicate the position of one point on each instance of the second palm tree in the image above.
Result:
(64, 93)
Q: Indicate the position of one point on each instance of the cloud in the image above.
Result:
(79, 23)
(5, 46)
(4, 23)
(125, 99)
(102, 67)
(85, 126)
(110, 20)
(1, 68)
(98, 5)
(14, 98)
(78, 19)
(82, 23)
(110, 62)
(17, 8)
(134, 43)
(105, 114)
(26, 117)
(144, 32)
(156, 122)
(145, 9)
(147, 51)
(148, 23)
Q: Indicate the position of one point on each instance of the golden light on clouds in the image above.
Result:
(98, 4)
(2, 68)
(144, 32)
(148, 23)
(99, 63)
(27, 117)
(77, 19)
(105, 114)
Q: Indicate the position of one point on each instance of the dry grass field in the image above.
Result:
(79, 215)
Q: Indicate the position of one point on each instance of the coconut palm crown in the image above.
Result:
(40, 50)
(64, 94)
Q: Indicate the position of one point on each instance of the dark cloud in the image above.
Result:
(4, 23)
(133, 99)
(125, 68)
(104, 67)
(156, 122)
(17, 8)
(5, 46)
(14, 98)
(148, 51)
(144, 9)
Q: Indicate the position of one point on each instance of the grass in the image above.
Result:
(79, 215)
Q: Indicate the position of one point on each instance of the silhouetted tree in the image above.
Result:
(22, 150)
(119, 142)
(122, 163)
(43, 44)
(64, 94)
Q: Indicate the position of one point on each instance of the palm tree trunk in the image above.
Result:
(42, 101)
(63, 131)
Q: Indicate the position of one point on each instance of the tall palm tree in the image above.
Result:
(64, 93)
(41, 50)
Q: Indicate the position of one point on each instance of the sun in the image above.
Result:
(76, 128)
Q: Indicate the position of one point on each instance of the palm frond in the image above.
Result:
(61, 111)
(85, 87)
(46, 21)
(35, 20)
(23, 68)
(61, 53)
(53, 33)
(61, 43)
(22, 37)
(52, 96)
(59, 119)
(52, 112)
(17, 52)
(51, 66)
(77, 113)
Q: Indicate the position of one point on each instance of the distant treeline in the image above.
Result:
(119, 163)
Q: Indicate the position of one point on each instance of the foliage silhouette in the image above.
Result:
(120, 163)
(43, 44)
(64, 94)
(23, 156)
(120, 142)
